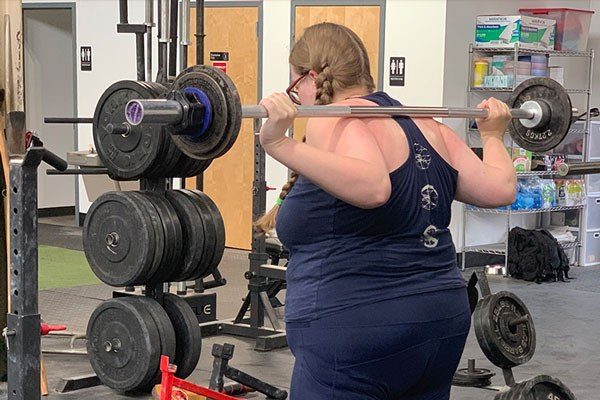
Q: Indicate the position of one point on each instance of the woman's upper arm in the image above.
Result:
(476, 183)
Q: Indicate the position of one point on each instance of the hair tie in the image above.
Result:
(279, 201)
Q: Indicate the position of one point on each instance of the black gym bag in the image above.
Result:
(536, 256)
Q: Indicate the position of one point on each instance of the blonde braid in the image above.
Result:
(324, 83)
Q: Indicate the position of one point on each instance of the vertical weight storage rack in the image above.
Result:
(501, 248)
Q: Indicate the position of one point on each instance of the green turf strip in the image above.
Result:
(60, 268)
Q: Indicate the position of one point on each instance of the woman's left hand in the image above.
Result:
(281, 111)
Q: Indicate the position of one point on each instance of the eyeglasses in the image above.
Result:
(292, 92)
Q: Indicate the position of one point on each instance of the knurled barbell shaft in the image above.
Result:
(171, 111)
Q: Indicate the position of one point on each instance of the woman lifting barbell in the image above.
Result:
(376, 306)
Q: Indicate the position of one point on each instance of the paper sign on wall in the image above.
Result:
(221, 65)
(219, 56)
(86, 58)
(397, 70)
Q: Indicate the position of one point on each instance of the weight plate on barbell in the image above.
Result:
(187, 332)
(123, 344)
(171, 258)
(542, 387)
(551, 133)
(212, 216)
(226, 112)
(119, 240)
(234, 104)
(192, 231)
(170, 153)
(166, 333)
(505, 341)
(130, 155)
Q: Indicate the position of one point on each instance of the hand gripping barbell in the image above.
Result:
(203, 96)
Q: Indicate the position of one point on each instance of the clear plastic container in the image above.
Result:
(572, 26)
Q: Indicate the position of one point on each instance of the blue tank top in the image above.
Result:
(342, 256)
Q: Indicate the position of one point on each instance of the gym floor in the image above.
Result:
(565, 316)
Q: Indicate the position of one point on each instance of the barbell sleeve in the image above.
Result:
(583, 168)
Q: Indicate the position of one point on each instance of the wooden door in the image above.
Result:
(228, 181)
(364, 20)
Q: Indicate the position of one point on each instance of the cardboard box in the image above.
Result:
(505, 30)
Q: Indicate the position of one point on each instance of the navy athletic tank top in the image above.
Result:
(342, 256)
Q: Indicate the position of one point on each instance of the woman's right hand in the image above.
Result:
(497, 121)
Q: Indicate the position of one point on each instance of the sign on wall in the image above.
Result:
(397, 70)
(219, 60)
(86, 58)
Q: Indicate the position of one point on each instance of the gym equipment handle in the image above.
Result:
(54, 161)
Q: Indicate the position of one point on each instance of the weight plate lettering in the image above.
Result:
(554, 130)
(123, 344)
(504, 329)
(542, 387)
(119, 240)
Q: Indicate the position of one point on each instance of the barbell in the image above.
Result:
(541, 112)
(141, 129)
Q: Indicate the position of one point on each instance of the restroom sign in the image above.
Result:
(85, 54)
(397, 71)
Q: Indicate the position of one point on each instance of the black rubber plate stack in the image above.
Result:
(166, 334)
(547, 137)
(124, 344)
(170, 154)
(119, 239)
(159, 234)
(504, 343)
(188, 335)
(541, 387)
(193, 233)
(213, 227)
(134, 154)
(226, 115)
(171, 257)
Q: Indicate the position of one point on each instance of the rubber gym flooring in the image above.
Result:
(566, 317)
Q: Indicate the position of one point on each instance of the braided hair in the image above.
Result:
(341, 61)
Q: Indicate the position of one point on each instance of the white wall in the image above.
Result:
(276, 74)
(48, 48)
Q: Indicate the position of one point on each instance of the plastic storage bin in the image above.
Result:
(592, 248)
(572, 26)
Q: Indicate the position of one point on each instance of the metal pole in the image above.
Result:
(184, 34)
(149, 24)
(23, 323)
(173, 38)
(200, 32)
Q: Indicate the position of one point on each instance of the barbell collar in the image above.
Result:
(154, 111)
(583, 168)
